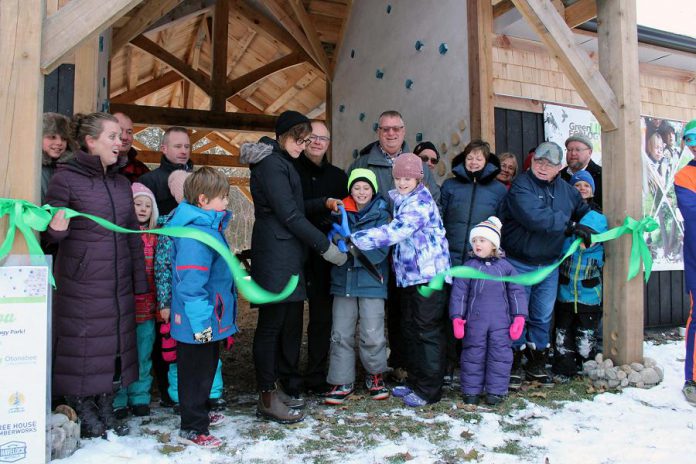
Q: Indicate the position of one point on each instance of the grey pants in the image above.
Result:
(373, 344)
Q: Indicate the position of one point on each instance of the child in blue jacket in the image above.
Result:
(203, 302)
(356, 293)
(579, 302)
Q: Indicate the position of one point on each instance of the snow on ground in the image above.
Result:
(636, 426)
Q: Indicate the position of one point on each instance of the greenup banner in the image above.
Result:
(27, 218)
(639, 252)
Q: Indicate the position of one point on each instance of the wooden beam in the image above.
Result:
(76, 23)
(177, 64)
(618, 62)
(156, 116)
(131, 67)
(220, 141)
(244, 105)
(240, 50)
(221, 22)
(480, 26)
(239, 182)
(290, 93)
(194, 61)
(237, 85)
(21, 104)
(86, 77)
(518, 104)
(147, 88)
(148, 13)
(311, 33)
(198, 135)
(580, 12)
(341, 37)
(575, 63)
(502, 7)
(182, 14)
(284, 19)
(204, 147)
(245, 12)
(199, 159)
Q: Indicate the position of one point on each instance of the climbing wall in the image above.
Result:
(406, 55)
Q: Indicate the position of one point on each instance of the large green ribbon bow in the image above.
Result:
(27, 217)
(639, 251)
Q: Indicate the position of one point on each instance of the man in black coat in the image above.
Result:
(176, 151)
(320, 179)
(579, 158)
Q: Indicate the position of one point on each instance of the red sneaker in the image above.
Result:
(375, 385)
(216, 419)
(190, 437)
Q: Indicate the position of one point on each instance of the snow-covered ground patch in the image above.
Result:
(635, 426)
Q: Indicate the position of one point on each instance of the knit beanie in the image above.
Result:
(287, 120)
(408, 165)
(579, 138)
(488, 229)
(690, 133)
(365, 175)
(176, 184)
(426, 146)
(583, 176)
(139, 190)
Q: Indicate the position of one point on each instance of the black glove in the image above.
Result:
(585, 233)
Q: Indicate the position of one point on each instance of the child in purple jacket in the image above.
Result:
(493, 314)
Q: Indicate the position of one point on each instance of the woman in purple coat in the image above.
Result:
(94, 347)
(493, 314)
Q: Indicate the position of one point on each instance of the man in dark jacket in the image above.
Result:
(320, 179)
(128, 165)
(176, 151)
(539, 211)
(579, 158)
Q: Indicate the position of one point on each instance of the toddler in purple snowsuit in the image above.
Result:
(493, 314)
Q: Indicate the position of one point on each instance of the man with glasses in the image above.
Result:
(538, 213)
(320, 179)
(579, 158)
(428, 153)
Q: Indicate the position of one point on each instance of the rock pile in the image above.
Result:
(605, 376)
(65, 432)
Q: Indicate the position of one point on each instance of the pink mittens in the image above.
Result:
(517, 327)
(458, 327)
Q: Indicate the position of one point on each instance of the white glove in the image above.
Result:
(205, 336)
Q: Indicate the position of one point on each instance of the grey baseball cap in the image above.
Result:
(550, 151)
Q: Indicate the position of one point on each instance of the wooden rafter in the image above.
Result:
(198, 135)
(74, 24)
(220, 141)
(213, 120)
(240, 50)
(221, 24)
(311, 33)
(244, 105)
(317, 111)
(580, 12)
(148, 13)
(296, 88)
(294, 30)
(147, 88)
(131, 68)
(575, 63)
(182, 14)
(177, 64)
(256, 20)
(204, 147)
(194, 60)
(341, 36)
(236, 85)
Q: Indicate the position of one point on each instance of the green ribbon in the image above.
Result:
(27, 217)
(639, 251)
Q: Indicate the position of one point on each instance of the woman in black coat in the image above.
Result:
(279, 243)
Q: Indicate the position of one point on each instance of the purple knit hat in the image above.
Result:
(408, 165)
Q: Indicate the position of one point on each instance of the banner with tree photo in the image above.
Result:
(662, 156)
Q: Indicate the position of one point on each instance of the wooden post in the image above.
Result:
(480, 24)
(622, 174)
(220, 43)
(86, 76)
(21, 102)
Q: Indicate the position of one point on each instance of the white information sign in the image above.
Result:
(23, 363)
(560, 122)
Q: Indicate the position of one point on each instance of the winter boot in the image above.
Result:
(90, 424)
(517, 372)
(375, 385)
(105, 410)
(471, 399)
(494, 400)
(338, 394)
(536, 368)
(139, 410)
(121, 413)
(271, 407)
(689, 391)
(291, 401)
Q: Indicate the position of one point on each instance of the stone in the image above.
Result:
(58, 420)
(634, 377)
(601, 384)
(620, 374)
(640, 384)
(599, 358)
(637, 367)
(626, 368)
(624, 382)
(608, 363)
(660, 372)
(649, 376)
(612, 374)
(649, 362)
(614, 383)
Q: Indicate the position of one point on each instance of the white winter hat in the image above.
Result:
(488, 229)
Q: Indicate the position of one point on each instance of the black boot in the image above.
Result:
(536, 368)
(91, 425)
(517, 372)
(106, 414)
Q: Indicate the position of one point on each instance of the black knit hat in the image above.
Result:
(287, 120)
(426, 146)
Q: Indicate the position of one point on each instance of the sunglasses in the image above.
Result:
(428, 159)
(690, 140)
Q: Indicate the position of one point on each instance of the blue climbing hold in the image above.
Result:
(375, 126)
(379, 74)
(419, 45)
(409, 83)
(419, 137)
(388, 9)
(443, 48)
(352, 53)
(341, 108)
(361, 117)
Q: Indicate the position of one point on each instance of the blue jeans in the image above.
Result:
(542, 298)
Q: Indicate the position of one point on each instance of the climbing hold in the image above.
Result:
(443, 48)
(462, 125)
(379, 74)
(352, 53)
(419, 137)
(388, 9)
(375, 126)
(341, 108)
(355, 153)
(409, 83)
(361, 116)
(455, 139)
(443, 148)
(419, 45)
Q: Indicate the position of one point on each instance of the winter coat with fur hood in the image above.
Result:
(281, 232)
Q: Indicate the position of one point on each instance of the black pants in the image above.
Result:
(318, 332)
(277, 344)
(421, 324)
(397, 355)
(196, 369)
(576, 336)
(160, 367)
(453, 347)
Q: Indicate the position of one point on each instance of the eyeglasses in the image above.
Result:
(428, 159)
(391, 128)
(319, 138)
(302, 141)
